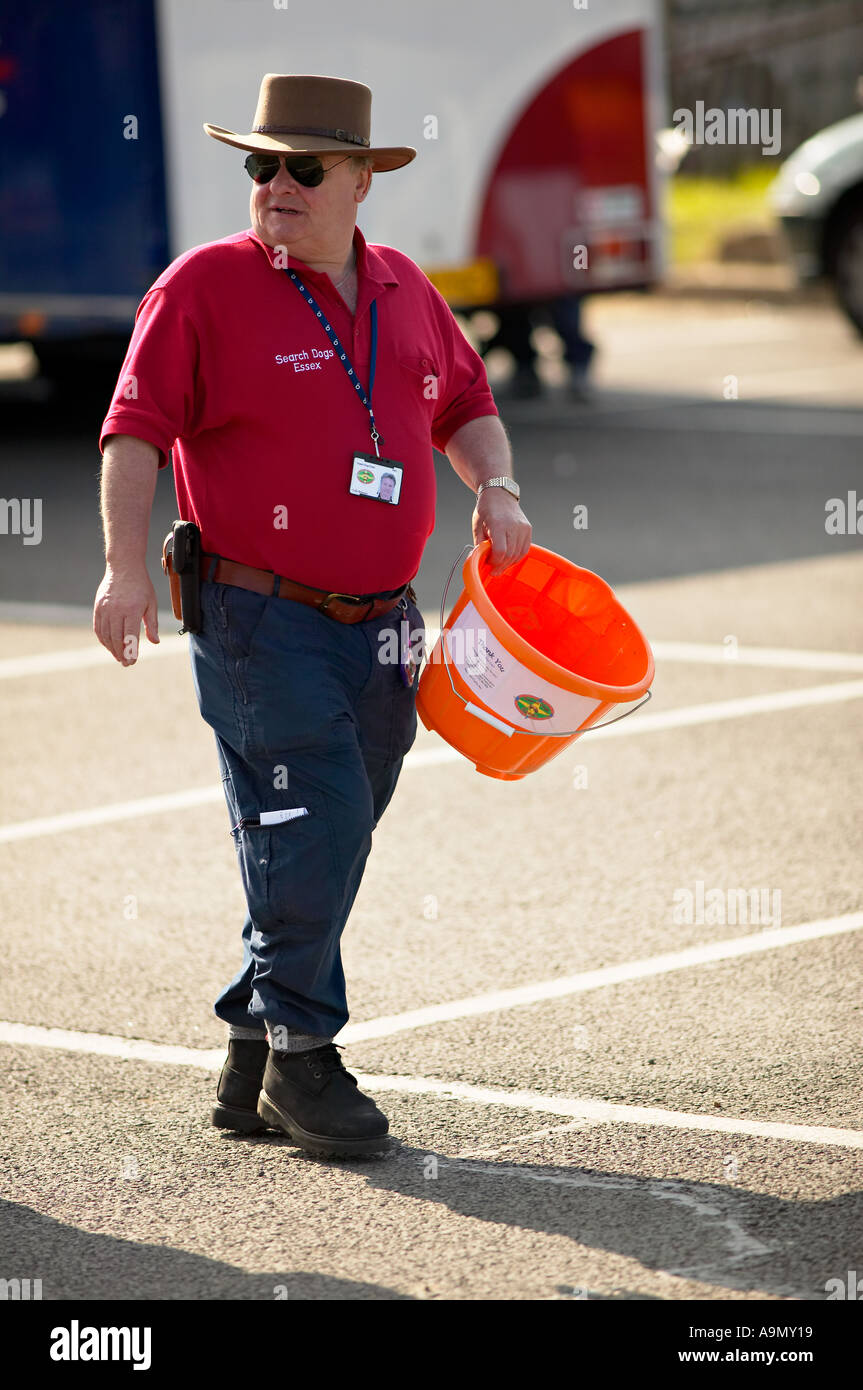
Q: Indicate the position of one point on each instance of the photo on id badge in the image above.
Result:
(380, 479)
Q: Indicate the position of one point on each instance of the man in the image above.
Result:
(516, 324)
(387, 487)
(272, 363)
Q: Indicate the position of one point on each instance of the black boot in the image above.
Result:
(310, 1097)
(240, 1085)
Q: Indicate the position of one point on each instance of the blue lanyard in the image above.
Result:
(366, 398)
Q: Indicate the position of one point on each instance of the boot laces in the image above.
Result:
(327, 1058)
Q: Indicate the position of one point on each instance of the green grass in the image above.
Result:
(702, 209)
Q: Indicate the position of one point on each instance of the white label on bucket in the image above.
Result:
(507, 687)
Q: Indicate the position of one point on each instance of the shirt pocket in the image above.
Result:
(421, 376)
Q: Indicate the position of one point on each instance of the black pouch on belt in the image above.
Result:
(181, 561)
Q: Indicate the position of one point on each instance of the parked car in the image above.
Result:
(818, 197)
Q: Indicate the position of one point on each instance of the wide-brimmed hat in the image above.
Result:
(314, 115)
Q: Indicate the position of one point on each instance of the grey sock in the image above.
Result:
(284, 1039)
(235, 1030)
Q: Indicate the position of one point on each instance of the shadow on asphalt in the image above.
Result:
(76, 1264)
(85, 1265)
(714, 1233)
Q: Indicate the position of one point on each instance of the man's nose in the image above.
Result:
(284, 181)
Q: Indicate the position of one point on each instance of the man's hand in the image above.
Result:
(125, 598)
(498, 517)
(479, 450)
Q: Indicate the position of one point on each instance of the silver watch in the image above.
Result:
(509, 483)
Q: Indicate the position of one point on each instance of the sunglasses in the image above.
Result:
(304, 169)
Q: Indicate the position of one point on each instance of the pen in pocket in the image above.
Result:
(270, 818)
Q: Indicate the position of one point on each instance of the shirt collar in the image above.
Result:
(370, 265)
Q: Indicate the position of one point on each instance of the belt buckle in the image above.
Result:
(351, 599)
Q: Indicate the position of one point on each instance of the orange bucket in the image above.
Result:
(528, 660)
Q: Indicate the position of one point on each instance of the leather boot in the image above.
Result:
(240, 1084)
(312, 1099)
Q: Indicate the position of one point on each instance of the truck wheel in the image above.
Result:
(848, 265)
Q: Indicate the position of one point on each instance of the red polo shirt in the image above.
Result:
(228, 368)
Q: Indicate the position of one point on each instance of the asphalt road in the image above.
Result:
(669, 1107)
(676, 478)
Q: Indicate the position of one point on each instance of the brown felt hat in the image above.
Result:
(314, 115)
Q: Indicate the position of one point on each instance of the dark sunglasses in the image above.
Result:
(304, 169)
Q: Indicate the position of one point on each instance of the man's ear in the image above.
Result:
(363, 184)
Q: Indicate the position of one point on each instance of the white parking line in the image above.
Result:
(567, 985)
(80, 658)
(717, 710)
(106, 1045)
(786, 658)
(604, 1113)
(116, 810)
(695, 653)
(718, 1208)
(684, 717)
(46, 614)
(574, 1108)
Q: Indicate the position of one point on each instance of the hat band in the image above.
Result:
(312, 130)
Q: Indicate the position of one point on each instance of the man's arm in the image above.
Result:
(126, 594)
(477, 451)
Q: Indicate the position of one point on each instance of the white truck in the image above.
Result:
(534, 125)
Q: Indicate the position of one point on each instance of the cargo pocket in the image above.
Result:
(288, 865)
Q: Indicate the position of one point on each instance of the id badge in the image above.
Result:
(377, 478)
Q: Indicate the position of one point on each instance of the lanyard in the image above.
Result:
(366, 398)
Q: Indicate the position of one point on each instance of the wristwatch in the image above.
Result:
(509, 483)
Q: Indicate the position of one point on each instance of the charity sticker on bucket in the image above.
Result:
(528, 660)
(506, 686)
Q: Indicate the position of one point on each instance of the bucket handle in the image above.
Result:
(625, 715)
(496, 722)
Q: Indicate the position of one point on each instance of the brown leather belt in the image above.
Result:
(344, 608)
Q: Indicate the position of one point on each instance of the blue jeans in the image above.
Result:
(566, 318)
(306, 717)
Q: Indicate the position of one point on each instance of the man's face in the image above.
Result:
(386, 489)
(313, 223)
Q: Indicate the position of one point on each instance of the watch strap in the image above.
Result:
(509, 485)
